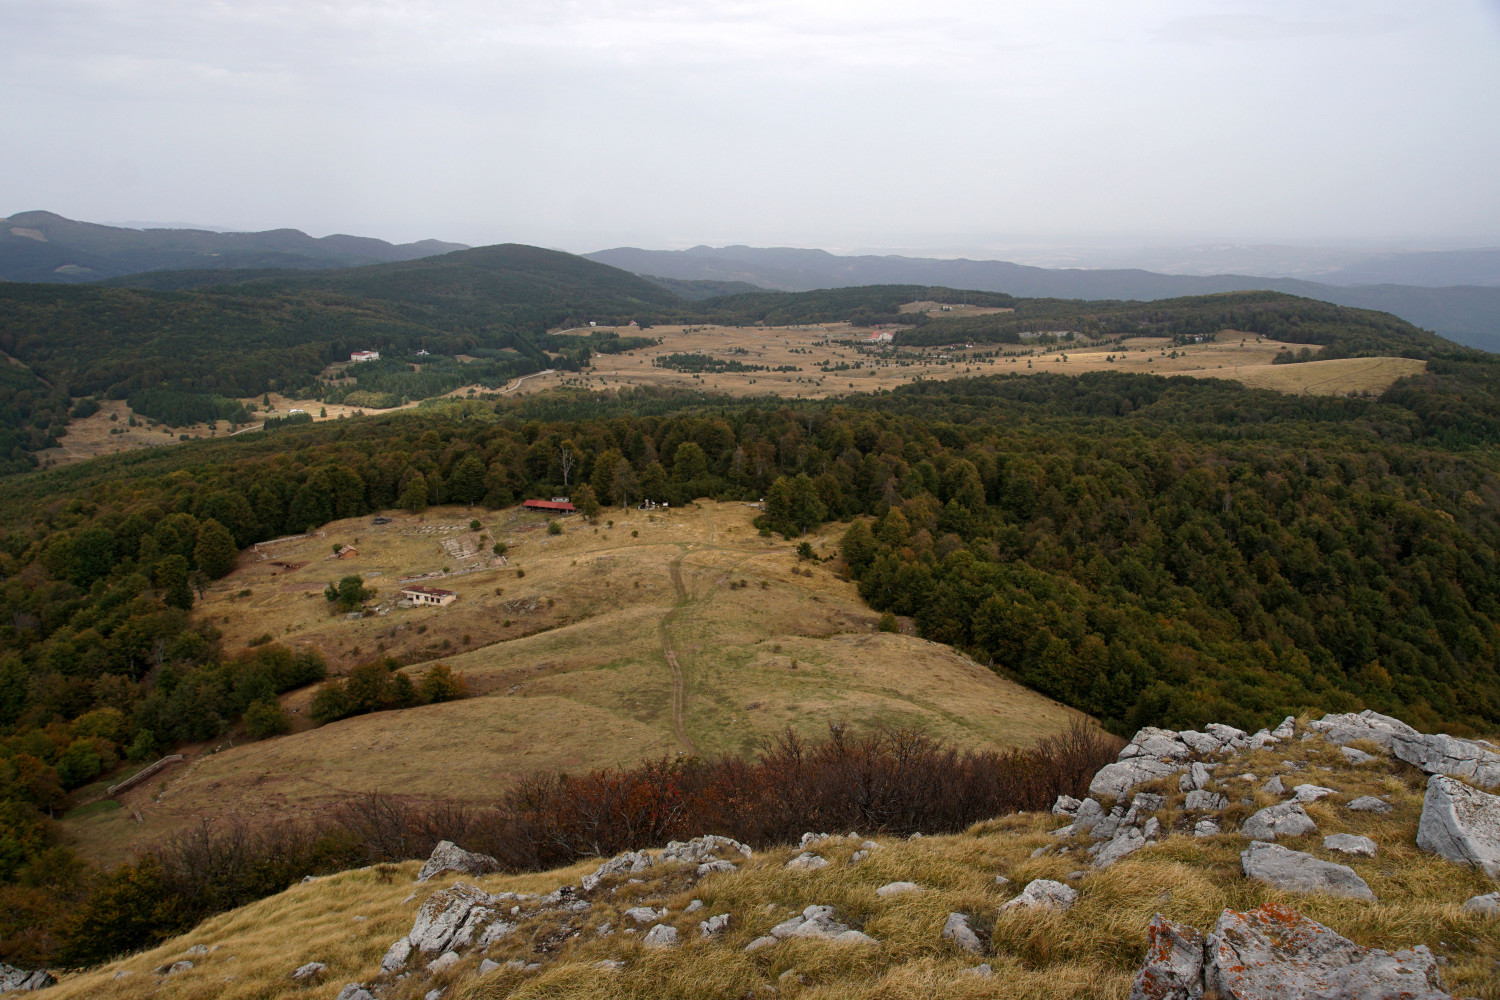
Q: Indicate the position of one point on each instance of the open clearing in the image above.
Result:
(671, 632)
(822, 363)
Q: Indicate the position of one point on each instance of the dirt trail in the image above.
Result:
(679, 692)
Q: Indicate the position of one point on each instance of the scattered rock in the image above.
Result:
(763, 941)
(1206, 828)
(1043, 892)
(1174, 963)
(1275, 953)
(1287, 869)
(701, 849)
(1197, 777)
(1275, 787)
(1089, 813)
(621, 864)
(1065, 805)
(1288, 819)
(198, 949)
(693, 907)
(487, 966)
(1152, 829)
(609, 964)
(1311, 793)
(815, 921)
(1487, 905)
(982, 971)
(17, 980)
(1462, 824)
(660, 936)
(354, 991)
(713, 926)
(396, 955)
(896, 889)
(1128, 841)
(1001, 881)
(1369, 803)
(645, 914)
(1355, 756)
(1348, 843)
(1204, 800)
(807, 861)
(1287, 729)
(709, 867)
(449, 857)
(309, 973)
(957, 930)
(1225, 734)
(436, 994)
(443, 962)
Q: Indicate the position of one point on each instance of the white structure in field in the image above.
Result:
(883, 337)
(417, 594)
(358, 356)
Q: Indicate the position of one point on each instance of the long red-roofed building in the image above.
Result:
(551, 506)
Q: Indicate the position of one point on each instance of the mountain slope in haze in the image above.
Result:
(43, 246)
(1469, 315)
(1432, 269)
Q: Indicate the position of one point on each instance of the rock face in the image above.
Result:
(1288, 819)
(1462, 824)
(1043, 892)
(1436, 754)
(1173, 969)
(1301, 872)
(1275, 953)
(17, 980)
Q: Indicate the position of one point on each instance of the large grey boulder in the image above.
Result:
(14, 980)
(1461, 823)
(1153, 742)
(1088, 814)
(1117, 779)
(445, 917)
(1173, 969)
(449, 857)
(1275, 953)
(1287, 869)
(1288, 819)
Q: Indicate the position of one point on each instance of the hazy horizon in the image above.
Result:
(951, 129)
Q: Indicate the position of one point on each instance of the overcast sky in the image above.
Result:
(834, 123)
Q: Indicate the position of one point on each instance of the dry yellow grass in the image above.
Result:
(570, 664)
(1087, 953)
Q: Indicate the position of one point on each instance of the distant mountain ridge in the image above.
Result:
(1468, 314)
(46, 247)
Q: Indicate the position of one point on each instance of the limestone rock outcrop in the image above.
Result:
(1461, 823)
(1275, 953)
(449, 857)
(1300, 872)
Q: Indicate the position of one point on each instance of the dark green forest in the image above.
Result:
(1150, 550)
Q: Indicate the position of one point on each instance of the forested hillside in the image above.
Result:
(1149, 550)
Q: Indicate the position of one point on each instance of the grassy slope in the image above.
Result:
(580, 678)
(1088, 953)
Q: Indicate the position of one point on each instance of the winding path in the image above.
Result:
(679, 689)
